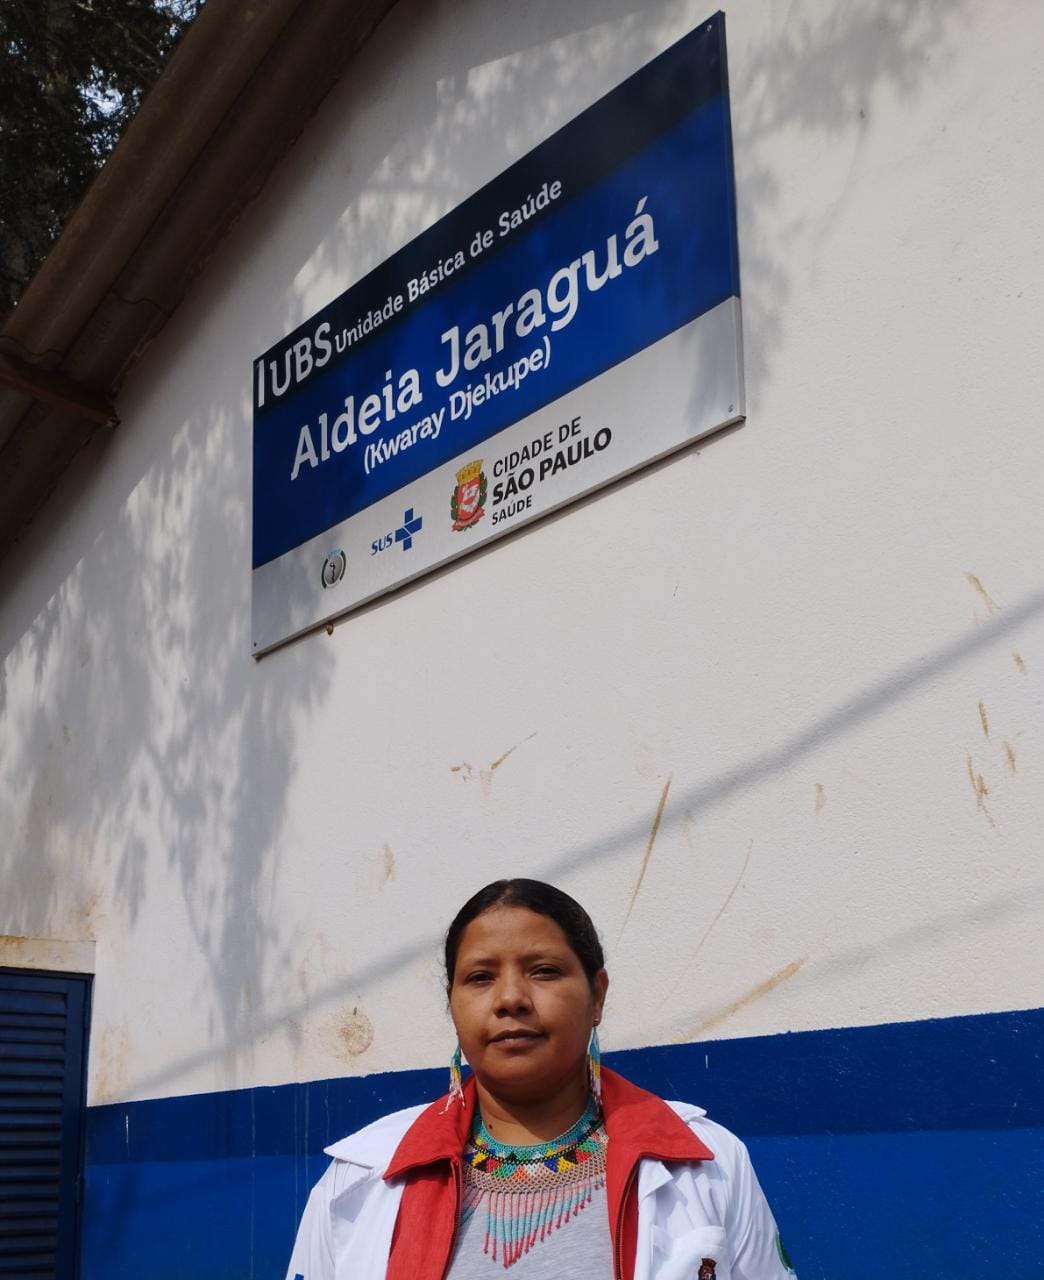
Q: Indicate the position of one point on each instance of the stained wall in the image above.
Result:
(771, 709)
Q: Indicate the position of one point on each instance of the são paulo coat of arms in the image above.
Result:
(468, 504)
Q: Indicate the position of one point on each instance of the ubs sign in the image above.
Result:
(572, 321)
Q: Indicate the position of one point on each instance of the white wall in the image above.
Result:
(823, 632)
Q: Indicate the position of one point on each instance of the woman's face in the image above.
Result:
(522, 1004)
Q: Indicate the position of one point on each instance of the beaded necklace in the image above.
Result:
(529, 1191)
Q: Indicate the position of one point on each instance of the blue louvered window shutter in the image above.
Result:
(43, 1032)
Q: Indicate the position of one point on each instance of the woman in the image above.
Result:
(540, 1163)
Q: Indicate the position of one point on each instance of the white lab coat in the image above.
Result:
(713, 1209)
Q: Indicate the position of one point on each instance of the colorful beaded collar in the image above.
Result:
(526, 1193)
(564, 1155)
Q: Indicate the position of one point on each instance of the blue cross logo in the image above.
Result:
(410, 525)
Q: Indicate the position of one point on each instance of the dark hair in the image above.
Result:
(536, 896)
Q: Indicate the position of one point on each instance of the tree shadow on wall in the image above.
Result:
(150, 737)
(817, 75)
(145, 757)
(142, 746)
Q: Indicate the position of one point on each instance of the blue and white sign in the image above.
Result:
(572, 321)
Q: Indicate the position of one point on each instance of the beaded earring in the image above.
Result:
(456, 1086)
(594, 1065)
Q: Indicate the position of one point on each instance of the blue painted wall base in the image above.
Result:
(913, 1151)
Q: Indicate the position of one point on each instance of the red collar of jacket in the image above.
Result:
(640, 1125)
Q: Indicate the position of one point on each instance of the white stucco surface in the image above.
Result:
(813, 645)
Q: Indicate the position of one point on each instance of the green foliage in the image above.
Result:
(72, 73)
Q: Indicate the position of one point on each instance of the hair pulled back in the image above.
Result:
(544, 900)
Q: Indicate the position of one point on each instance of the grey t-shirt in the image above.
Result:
(581, 1248)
